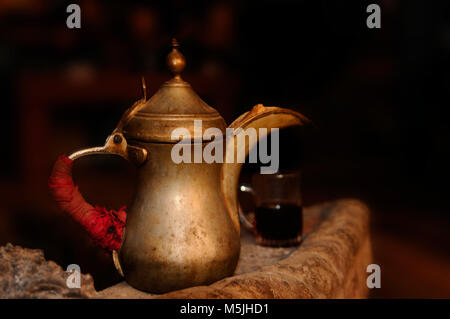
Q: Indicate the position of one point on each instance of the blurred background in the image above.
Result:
(378, 99)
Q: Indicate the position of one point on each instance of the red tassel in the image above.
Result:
(105, 227)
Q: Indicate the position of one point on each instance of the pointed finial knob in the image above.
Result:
(175, 60)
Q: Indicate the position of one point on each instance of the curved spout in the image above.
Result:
(259, 117)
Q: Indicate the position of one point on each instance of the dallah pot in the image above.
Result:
(183, 227)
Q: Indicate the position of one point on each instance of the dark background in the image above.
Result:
(378, 99)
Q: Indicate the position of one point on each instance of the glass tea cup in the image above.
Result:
(278, 217)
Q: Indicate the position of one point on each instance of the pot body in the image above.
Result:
(179, 233)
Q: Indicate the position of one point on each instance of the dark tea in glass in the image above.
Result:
(278, 217)
(279, 224)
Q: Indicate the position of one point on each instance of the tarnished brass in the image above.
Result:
(183, 227)
(174, 105)
(115, 144)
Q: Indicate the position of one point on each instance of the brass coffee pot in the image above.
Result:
(182, 228)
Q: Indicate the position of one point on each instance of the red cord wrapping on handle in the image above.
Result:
(105, 227)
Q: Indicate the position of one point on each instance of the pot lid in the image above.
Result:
(174, 105)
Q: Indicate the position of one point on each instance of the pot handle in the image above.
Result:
(105, 227)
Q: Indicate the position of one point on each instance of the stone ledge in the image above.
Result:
(24, 274)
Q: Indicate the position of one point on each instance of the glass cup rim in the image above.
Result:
(280, 174)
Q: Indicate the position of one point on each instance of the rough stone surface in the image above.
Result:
(330, 263)
(24, 273)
